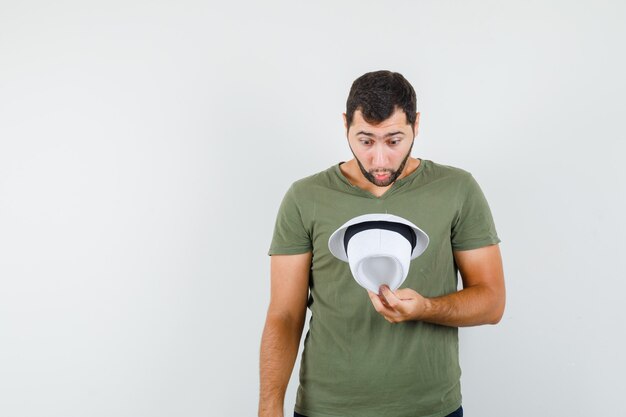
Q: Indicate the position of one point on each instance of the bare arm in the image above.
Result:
(481, 301)
(283, 329)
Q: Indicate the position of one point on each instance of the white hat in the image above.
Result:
(379, 248)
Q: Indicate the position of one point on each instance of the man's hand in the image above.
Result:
(403, 305)
(481, 301)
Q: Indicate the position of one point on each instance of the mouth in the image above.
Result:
(381, 176)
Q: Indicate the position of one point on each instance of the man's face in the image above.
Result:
(381, 150)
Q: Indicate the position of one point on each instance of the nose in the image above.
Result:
(379, 158)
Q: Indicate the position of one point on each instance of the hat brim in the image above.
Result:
(337, 248)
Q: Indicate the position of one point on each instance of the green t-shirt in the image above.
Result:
(354, 362)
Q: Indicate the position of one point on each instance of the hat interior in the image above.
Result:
(374, 271)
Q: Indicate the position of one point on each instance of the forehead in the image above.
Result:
(396, 121)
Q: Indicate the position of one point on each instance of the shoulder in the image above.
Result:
(303, 187)
(446, 176)
(445, 171)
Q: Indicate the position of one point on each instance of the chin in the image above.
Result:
(385, 184)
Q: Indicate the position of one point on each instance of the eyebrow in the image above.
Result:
(371, 135)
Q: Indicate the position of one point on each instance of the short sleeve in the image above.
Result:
(290, 235)
(473, 226)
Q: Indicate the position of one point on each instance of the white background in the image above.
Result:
(145, 148)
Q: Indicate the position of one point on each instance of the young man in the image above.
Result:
(389, 354)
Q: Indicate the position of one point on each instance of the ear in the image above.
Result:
(417, 122)
(345, 122)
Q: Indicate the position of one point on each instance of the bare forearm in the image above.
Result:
(471, 306)
(279, 349)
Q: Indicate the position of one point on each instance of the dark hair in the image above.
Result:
(377, 94)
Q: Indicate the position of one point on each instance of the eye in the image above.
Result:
(394, 141)
(365, 142)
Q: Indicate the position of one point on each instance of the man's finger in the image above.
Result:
(374, 298)
(389, 296)
(405, 294)
(378, 303)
